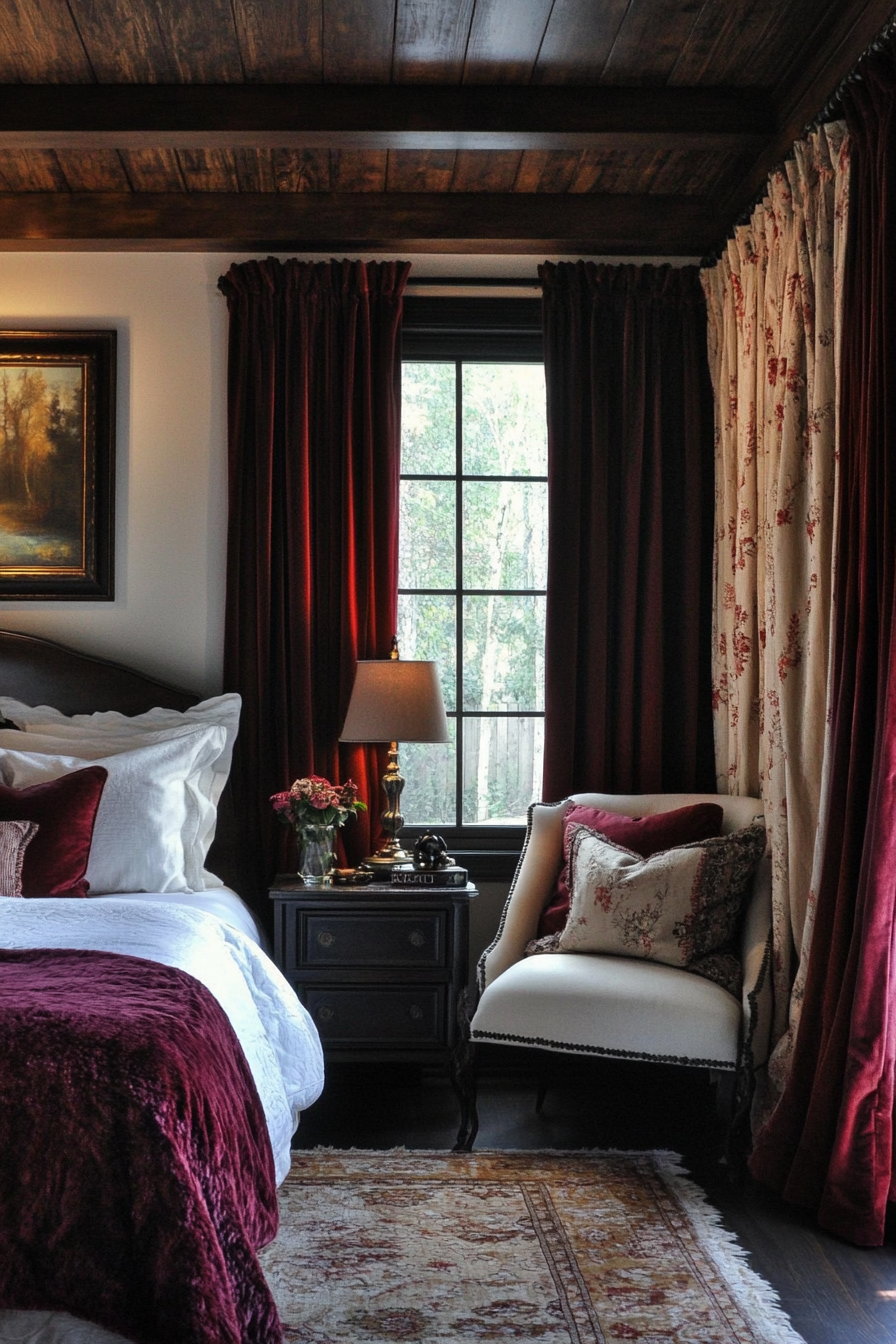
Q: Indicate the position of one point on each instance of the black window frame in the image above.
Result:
(480, 330)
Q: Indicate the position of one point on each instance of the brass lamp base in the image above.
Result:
(386, 857)
(390, 852)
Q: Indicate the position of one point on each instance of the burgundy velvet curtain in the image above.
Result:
(829, 1144)
(314, 386)
(630, 472)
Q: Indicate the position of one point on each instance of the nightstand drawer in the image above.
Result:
(380, 1017)
(387, 938)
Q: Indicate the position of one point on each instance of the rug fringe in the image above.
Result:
(754, 1292)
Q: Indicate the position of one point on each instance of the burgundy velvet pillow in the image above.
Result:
(643, 835)
(65, 810)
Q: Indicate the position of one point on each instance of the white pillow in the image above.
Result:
(220, 710)
(127, 730)
(152, 818)
(69, 740)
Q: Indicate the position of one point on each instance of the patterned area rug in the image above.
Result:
(561, 1248)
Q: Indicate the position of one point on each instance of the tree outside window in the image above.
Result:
(472, 578)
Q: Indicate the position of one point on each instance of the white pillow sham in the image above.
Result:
(68, 740)
(152, 820)
(219, 711)
(75, 731)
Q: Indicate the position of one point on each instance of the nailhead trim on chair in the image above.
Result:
(480, 965)
(602, 1050)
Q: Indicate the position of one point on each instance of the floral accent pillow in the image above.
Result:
(14, 838)
(675, 907)
(643, 835)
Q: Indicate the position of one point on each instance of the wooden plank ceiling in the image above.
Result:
(494, 126)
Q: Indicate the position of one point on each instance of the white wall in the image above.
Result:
(167, 614)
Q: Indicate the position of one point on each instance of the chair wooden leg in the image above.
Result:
(734, 1097)
(462, 1071)
(545, 1080)
(724, 1088)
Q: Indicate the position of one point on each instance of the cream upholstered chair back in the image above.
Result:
(620, 1006)
(542, 853)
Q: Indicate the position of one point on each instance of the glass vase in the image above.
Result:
(317, 856)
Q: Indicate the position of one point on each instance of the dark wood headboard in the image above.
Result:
(41, 672)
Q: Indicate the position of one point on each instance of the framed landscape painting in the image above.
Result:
(57, 464)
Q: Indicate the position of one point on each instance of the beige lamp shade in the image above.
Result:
(395, 701)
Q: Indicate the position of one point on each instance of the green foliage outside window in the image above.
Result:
(500, 526)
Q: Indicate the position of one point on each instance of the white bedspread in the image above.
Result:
(277, 1035)
(220, 901)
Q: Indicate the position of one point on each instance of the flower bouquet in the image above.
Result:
(315, 808)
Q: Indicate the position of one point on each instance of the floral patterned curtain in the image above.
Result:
(774, 302)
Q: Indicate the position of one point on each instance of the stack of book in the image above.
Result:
(406, 875)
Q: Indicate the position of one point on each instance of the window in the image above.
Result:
(473, 558)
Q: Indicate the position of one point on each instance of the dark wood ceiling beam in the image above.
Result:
(802, 98)
(283, 116)
(393, 222)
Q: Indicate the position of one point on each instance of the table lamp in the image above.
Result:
(394, 701)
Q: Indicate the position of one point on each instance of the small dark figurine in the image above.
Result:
(430, 853)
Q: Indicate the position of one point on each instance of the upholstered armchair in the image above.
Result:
(619, 1006)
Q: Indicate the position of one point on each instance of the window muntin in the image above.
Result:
(472, 576)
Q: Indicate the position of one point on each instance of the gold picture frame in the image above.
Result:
(57, 464)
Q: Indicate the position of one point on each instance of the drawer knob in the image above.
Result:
(415, 1012)
(325, 938)
(326, 1014)
(416, 939)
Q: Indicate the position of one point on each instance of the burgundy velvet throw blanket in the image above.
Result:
(136, 1173)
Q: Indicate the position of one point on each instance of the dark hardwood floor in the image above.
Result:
(833, 1293)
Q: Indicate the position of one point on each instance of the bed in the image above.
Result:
(153, 1060)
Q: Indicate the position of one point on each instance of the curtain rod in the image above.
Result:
(465, 287)
(831, 111)
(833, 108)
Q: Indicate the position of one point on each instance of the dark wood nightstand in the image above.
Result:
(383, 972)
